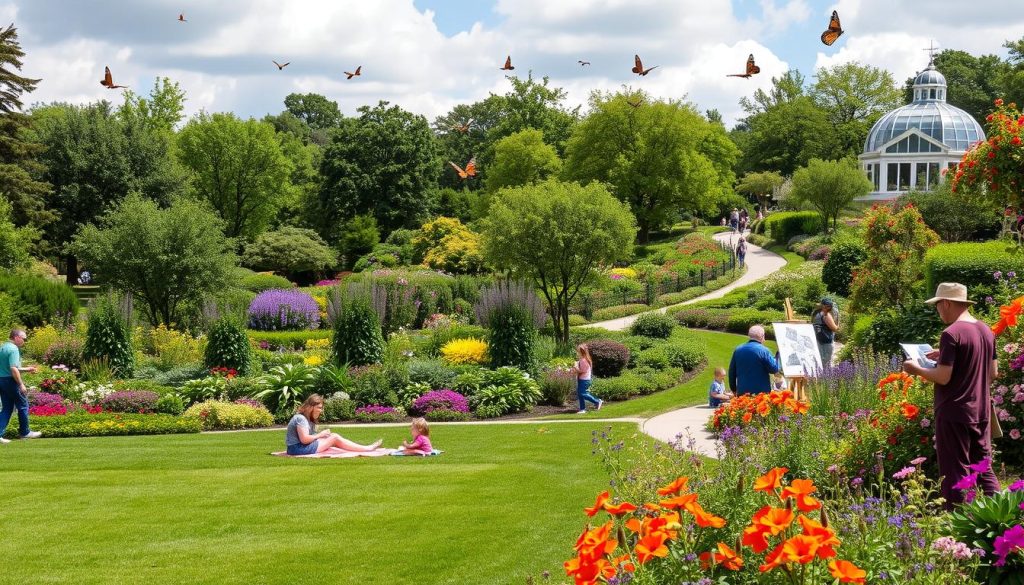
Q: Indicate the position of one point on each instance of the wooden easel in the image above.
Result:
(798, 384)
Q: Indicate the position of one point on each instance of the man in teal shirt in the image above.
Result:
(12, 387)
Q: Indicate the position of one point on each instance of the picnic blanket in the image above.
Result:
(335, 453)
(399, 453)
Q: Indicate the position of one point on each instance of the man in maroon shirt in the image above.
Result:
(966, 367)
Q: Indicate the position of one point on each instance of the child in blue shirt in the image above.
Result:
(717, 394)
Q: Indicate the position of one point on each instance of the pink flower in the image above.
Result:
(1010, 541)
(1018, 397)
(967, 483)
(1014, 434)
(982, 466)
(1017, 485)
(925, 422)
(1000, 390)
(904, 473)
(918, 460)
(998, 399)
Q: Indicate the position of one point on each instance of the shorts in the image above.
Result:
(300, 449)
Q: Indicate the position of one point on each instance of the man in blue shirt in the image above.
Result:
(12, 387)
(752, 365)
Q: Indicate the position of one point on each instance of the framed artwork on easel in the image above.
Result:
(798, 349)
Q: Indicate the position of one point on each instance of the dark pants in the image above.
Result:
(10, 395)
(958, 445)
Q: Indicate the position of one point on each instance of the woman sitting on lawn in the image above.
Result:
(301, 440)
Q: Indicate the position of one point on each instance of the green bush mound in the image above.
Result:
(688, 354)
(217, 415)
(610, 357)
(288, 340)
(837, 273)
(785, 225)
(971, 264)
(82, 424)
(638, 382)
(258, 283)
(731, 320)
(37, 300)
(617, 311)
(658, 325)
(338, 408)
(228, 347)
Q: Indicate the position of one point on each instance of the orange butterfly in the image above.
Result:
(108, 80)
(638, 68)
(508, 64)
(279, 66)
(181, 17)
(463, 127)
(359, 71)
(469, 172)
(834, 30)
(751, 69)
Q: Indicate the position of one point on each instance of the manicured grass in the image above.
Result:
(502, 503)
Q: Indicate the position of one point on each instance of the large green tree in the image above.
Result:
(162, 111)
(314, 109)
(382, 163)
(854, 96)
(167, 258)
(1012, 80)
(571, 230)
(657, 158)
(760, 185)
(238, 166)
(830, 187)
(522, 158)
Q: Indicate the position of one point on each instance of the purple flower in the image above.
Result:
(856, 481)
(1011, 540)
(998, 274)
(1017, 485)
(45, 399)
(904, 473)
(142, 401)
(1011, 274)
(989, 300)
(279, 309)
(967, 483)
(443, 399)
(982, 466)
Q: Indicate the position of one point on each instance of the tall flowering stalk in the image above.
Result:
(280, 309)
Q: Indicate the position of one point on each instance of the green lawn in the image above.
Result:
(503, 503)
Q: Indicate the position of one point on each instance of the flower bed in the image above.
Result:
(81, 423)
(279, 309)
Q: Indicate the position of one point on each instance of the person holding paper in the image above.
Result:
(966, 366)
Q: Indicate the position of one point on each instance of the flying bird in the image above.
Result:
(638, 68)
(583, 63)
(108, 80)
(508, 64)
(359, 71)
(280, 66)
(635, 104)
(470, 170)
(834, 30)
(463, 127)
(751, 69)
(181, 17)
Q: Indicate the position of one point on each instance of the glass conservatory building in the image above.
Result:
(909, 147)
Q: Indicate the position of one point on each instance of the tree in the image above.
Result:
(993, 167)
(896, 240)
(289, 251)
(383, 163)
(314, 109)
(239, 168)
(459, 147)
(14, 241)
(572, 230)
(521, 159)
(854, 97)
(786, 136)
(166, 258)
(162, 111)
(446, 244)
(359, 236)
(760, 185)
(19, 169)
(653, 157)
(830, 187)
(538, 106)
(1012, 80)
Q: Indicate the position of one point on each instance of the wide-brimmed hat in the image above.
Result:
(950, 291)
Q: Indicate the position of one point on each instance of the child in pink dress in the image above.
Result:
(420, 444)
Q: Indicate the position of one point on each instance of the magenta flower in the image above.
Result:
(1014, 434)
(982, 466)
(967, 483)
(1010, 541)
(1017, 485)
(904, 473)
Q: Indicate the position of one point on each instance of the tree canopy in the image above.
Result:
(830, 187)
(522, 158)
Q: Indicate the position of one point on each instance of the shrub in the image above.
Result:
(142, 402)
(654, 358)
(279, 309)
(896, 241)
(687, 354)
(378, 413)
(655, 324)
(956, 217)
(837, 273)
(618, 311)
(66, 351)
(203, 389)
(286, 387)
(557, 386)
(171, 348)
(469, 383)
(38, 300)
(443, 335)
(439, 400)
(971, 264)
(701, 318)
(289, 250)
(433, 373)
(488, 411)
(40, 340)
(170, 404)
(886, 329)
(216, 415)
(465, 351)
(616, 388)
(610, 357)
(331, 380)
(228, 346)
(258, 283)
(513, 313)
(370, 386)
(338, 408)
(783, 226)
(357, 334)
(109, 335)
(82, 423)
(176, 377)
(290, 340)
(445, 415)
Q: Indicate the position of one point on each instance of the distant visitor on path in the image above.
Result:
(717, 394)
(741, 251)
(966, 367)
(752, 365)
(825, 328)
(583, 369)
(301, 437)
(420, 444)
(12, 388)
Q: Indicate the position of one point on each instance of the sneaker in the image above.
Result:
(32, 435)
(582, 412)
(600, 403)
(4, 441)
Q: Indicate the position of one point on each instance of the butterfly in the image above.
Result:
(834, 30)
(582, 63)
(359, 71)
(470, 170)
(635, 104)
(751, 69)
(108, 80)
(463, 127)
(508, 64)
(279, 66)
(181, 17)
(639, 67)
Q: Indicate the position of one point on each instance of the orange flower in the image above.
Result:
(825, 536)
(801, 407)
(585, 572)
(650, 546)
(909, 410)
(625, 562)
(801, 490)
(763, 409)
(756, 537)
(677, 486)
(595, 543)
(800, 548)
(770, 481)
(602, 498)
(747, 417)
(775, 520)
(623, 508)
(774, 559)
(652, 507)
(846, 572)
(728, 558)
(679, 501)
(703, 518)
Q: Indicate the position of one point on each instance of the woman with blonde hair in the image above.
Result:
(583, 369)
(301, 437)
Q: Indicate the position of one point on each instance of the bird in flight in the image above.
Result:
(280, 66)
(508, 64)
(463, 127)
(751, 69)
(358, 71)
(638, 68)
(834, 30)
(108, 80)
(181, 17)
(469, 172)
(583, 63)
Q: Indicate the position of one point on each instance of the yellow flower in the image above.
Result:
(465, 351)
(623, 272)
(314, 360)
(312, 344)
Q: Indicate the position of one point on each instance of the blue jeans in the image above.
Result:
(11, 396)
(583, 393)
(300, 449)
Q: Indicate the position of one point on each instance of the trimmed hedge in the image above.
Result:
(970, 264)
(837, 273)
(785, 225)
(617, 311)
(638, 382)
(294, 340)
(217, 415)
(731, 320)
(688, 354)
(610, 357)
(653, 325)
(83, 424)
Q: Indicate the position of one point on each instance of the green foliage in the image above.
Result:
(81, 424)
(829, 187)
(37, 300)
(286, 386)
(357, 331)
(434, 373)
(971, 264)
(896, 241)
(508, 389)
(359, 235)
(654, 358)
(337, 409)
(333, 380)
(291, 251)
(258, 283)
(227, 346)
(446, 244)
(370, 385)
(170, 403)
(14, 242)
(557, 386)
(979, 522)
(653, 324)
(522, 159)
(843, 259)
(288, 340)
(885, 329)
(163, 257)
(512, 313)
(610, 357)
(973, 81)
(109, 336)
(314, 109)
(216, 415)
(446, 415)
(955, 217)
(686, 353)
(738, 320)
(616, 311)
(853, 97)
(787, 224)
(761, 185)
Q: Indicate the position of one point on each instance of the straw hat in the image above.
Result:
(950, 291)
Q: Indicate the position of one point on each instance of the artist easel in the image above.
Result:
(798, 384)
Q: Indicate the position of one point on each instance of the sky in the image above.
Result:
(429, 55)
